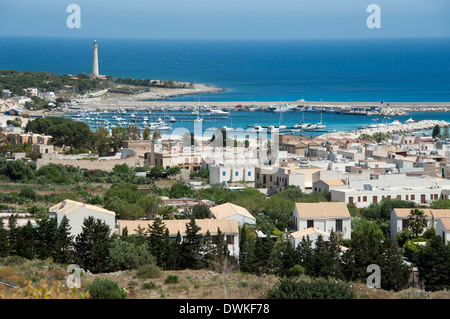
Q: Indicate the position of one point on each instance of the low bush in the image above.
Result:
(311, 289)
(105, 289)
(149, 271)
(171, 279)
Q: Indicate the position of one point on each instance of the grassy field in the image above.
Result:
(45, 279)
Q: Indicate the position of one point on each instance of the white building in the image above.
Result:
(231, 172)
(437, 218)
(325, 216)
(311, 233)
(275, 178)
(77, 212)
(232, 211)
(228, 227)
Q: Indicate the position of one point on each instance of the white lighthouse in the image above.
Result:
(95, 60)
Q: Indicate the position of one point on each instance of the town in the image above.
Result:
(227, 200)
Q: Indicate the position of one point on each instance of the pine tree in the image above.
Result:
(395, 273)
(3, 240)
(306, 254)
(13, 237)
(64, 245)
(46, 237)
(26, 241)
(92, 244)
(192, 246)
(289, 258)
(322, 261)
(246, 249)
(157, 240)
(433, 263)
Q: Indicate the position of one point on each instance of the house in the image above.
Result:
(231, 172)
(328, 185)
(76, 212)
(437, 218)
(312, 234)
(232, 211)
(275, 178)
(325, 216)
(228, 227)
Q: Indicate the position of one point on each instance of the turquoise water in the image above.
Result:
(243, 119)
(284, 70)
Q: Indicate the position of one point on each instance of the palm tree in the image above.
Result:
(417, 221)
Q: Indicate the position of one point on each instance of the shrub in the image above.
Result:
(149, 285)
(105, 289)
(311, 289)
(296, 270)
(6, 272)
(14, 260)
(171, 279)
(148, 272)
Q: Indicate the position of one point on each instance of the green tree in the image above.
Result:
(134, 132)
(105, 289)
(173, 171)
(64, 243)
(3, 240)
(179, 190)
(436, 131)
(26, 241)
(191, 247)
(92, 244)
(433, 263)
(417, 221)
(395, 273)
(125, 255)
(311, 289)
(102, 141)
(156, 172)
(157, 241)
(46, 237)
(146, 133)
(118, 135)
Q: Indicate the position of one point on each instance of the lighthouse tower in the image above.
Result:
(95, 60)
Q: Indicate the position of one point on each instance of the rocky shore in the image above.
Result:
(403, 128)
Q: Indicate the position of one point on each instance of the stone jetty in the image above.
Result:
(402, 128)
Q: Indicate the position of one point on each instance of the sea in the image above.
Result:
(347, 70)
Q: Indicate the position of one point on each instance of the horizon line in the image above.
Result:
(226, 39)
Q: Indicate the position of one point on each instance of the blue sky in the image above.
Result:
(226, 19)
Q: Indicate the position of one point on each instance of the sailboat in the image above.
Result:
(302, 125)
(320, 125)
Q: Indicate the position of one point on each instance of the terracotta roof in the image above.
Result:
(446, 223)
(309, 231)
(333, 182)
(69, 206)
(228, 210)
(437, 213)
(322, 210)
(228, 226)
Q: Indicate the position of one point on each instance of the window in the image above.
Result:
(413, 197)
(339, 225)
(236, 173)
(224, 173)
(405, 224)
(364, 198)
(249, 173)
(230, 240)
(310, 223)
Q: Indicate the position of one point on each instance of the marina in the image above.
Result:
(298, 120)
